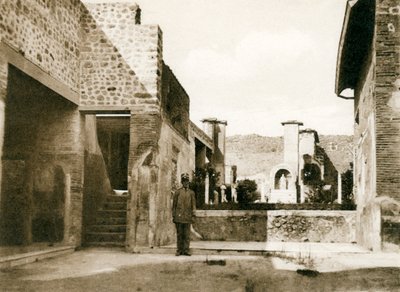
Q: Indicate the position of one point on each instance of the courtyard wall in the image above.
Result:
(276, 225)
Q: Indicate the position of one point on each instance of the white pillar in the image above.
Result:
(302, 195)
(339, 196)
(206, 191)
(263, 195)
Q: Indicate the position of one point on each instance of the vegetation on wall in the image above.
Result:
(247, 191)
(198, 183)
(347, 186)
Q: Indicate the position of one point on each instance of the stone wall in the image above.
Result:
(45, 33)
(313, 226)
(276, 225)
(227, 225)
(121, 60)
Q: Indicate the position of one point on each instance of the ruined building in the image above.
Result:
(216, 129)
(305, 168)
(88, 106)
(368, 64)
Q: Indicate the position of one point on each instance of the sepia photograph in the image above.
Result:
(199, 145)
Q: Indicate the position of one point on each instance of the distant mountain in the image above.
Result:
(255, 155)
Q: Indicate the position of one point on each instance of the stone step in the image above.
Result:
(105, 237)
(114, 206)
(104, 244)
(17, 259)
(111, 214)
(113, 198)
(111, 220)
(107, 228)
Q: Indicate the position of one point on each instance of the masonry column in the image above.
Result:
(291, 144)
(143, 168)
(339, 188)
(3, 92)
(207, 189)
(216, 129)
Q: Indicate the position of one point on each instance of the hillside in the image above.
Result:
(256, 155)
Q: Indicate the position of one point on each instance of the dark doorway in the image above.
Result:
(113, 135)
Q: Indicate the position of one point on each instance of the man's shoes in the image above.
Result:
(187, 254)
(178, 253)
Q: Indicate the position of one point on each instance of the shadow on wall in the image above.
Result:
(37, 152)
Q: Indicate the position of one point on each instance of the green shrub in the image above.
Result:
(247, 191)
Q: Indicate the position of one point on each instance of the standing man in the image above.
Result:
(183, 208)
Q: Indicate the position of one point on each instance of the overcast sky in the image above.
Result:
(255, 63)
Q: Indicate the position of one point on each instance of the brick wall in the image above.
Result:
(175, 102)
(121, 60)
(387, 90)
(45, 154)
(377, 130)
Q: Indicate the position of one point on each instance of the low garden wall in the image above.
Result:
(276, 225)
(311, 225)
(231, 225)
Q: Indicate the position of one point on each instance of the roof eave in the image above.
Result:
(339, 60)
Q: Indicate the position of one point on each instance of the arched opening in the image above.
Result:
(282, 179)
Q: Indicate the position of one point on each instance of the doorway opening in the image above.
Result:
(113, 135)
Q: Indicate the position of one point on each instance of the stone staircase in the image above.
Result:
(110, 226)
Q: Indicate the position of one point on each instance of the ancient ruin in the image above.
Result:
(95, 127)
(306, 169)
(95, 131)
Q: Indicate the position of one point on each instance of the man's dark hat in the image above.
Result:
(184, 176)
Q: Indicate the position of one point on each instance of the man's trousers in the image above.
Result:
(183, 237)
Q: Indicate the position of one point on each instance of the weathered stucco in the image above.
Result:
(96, 179)
(43, 154)
(154, 175)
